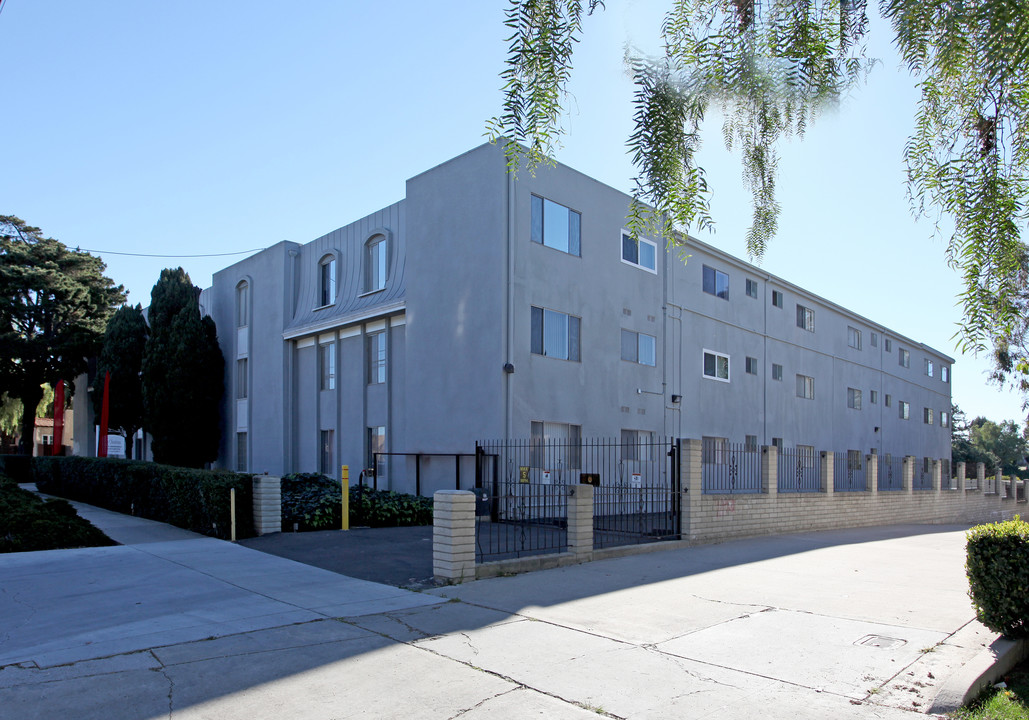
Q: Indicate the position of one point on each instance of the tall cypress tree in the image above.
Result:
(183, 377)
(122, 356)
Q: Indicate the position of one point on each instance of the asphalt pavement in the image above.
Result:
(862, 623)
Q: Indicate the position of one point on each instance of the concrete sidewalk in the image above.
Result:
(846, 624)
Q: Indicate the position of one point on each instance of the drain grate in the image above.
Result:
(881, 641)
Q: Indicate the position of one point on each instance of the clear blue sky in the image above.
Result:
(215, 127)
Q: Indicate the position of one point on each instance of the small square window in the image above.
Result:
(750, 444)
(751, 288)
(639, 348)
(777, 442)
(751, 366)
(641, 253)
(776, 371)
(777, 299)
(853, 398)
(805, 318)
(716, 366)
(716, 283)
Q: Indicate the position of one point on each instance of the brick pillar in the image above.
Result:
(267, 504)
(453, 535)
(980, 475)
(908, 474)
(580, 521)
(828, 472)
(937, 469)
(690, 455)
(872, 474)
(769, 469)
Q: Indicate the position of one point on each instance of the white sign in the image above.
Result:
(636, 480)
(115, 446)
(545, 477)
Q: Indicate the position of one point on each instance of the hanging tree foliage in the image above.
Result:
(770, 67)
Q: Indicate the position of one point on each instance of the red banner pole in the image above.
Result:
(58, 418)
(101, 448)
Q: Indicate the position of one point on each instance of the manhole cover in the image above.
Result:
(881, 641)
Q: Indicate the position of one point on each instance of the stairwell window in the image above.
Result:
(327, 362)
(555, 225)
(641, 253)
(242, 304)
(555, 334)
(241, 379)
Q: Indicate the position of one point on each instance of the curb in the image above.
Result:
(980, 672)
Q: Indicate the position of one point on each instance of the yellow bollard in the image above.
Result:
(232, 511)
(345, 484)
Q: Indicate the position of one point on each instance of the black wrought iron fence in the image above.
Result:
(799, 470)
(891, 473)
(849, 472)
(728, 468)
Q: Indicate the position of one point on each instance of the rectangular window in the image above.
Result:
(806, 455)
(242, 305)
(638, 445)
(376, 444)
(376, 345)
(944, 373)
(904, 410)
(328, 281)
(854, 338)
(927, 416)
(327, 361)
(777, 442)
(555, 334)
(555, 446)
(805, 318)
(376, 263)
(776, 371)
(641, 253)
(888, 402)
(873, 397)
(751, 288)
(777, 299)
(241, 452)
(751, 366)
(716, 283)
(805, 387)
(714, 450)
(716, 366)
(326, 466)
(241, 378)
(944, 418)
(639, 348)
(555, 225)
(904, 357)
(888, 345)
(929, 368)
(750, 443)
(853, 459)
(873, 338)
(853, 399)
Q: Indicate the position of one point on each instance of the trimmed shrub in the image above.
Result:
(196, 500)
(998, 575)
(29, 523)
(16, 467)
(312, 502)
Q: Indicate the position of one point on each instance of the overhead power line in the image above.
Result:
(115, 252)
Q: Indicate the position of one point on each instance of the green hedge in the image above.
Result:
(29, 523)
(197, 500)
(16, 467)
(313, 502)
(998, 575)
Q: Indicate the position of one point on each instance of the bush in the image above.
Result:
(312, 502)
(197, 500)
(998, 576)
(28, 523)
(16, 467)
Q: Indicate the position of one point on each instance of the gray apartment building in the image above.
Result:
(484, 306)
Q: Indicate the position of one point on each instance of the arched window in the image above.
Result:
(327, 280)
(242, 304)
(375, 263)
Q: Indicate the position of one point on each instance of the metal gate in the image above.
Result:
(522, 486)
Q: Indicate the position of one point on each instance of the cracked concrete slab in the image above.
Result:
(420, 623)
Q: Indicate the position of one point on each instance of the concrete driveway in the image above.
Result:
(866, 623)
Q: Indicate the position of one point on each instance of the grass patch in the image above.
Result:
(28, 523)
(1011, 703)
